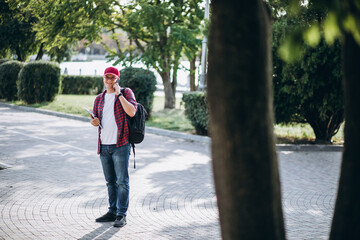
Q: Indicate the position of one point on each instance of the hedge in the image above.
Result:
(143, 84)
(196, 111)
(38, 82)
(81, 84)
(9, 72)
(4, 60)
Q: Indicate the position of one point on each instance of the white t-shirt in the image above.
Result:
(109, 128)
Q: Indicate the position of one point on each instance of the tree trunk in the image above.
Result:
(241, 121)
(40, 53)
(325, 129)
(19, 54)
(169, 95)
(346, 221)
(174, 79)
(192, 74)
(166, 79)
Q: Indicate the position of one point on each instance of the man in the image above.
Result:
(110, 109)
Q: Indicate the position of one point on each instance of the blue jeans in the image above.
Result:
(115, 162)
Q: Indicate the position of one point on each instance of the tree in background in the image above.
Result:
(192, 50)
(50, 26)
(310, 88)
(159, 32)
(241, 121)
(17, 36)
(62, 23)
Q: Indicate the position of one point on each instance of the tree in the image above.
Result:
(17, 36)
(50, 26)
(160, 30)
(309, 89)
(241, 121)
(346, 221)
(192, 50)
(343, 22)
(62, 23)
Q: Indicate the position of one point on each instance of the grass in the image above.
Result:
(73, 104)
(302, 133)
(170, 119)
(174, 119)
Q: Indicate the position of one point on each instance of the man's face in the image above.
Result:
(109, 80)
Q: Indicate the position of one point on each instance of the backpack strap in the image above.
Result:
(133, 147)
(131, 144)
(123, 91)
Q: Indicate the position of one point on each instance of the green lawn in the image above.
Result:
(73, 104)
(174, 119)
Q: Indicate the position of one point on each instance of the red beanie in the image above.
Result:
(112, 70)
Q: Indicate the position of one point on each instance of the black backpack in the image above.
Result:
(136, 126)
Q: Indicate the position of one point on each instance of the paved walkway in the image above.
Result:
(53, 187)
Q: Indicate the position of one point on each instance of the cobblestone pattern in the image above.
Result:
(309, 185)
(54, 188)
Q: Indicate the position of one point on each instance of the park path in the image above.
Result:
(53, 187)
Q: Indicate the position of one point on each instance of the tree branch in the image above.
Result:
(138, 44)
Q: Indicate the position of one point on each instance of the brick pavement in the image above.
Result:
(54, 187)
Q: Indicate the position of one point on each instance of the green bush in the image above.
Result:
(39, 82)
(196, 111)
(309, 90)
(9, 72)
(143, 84)
(81, 84)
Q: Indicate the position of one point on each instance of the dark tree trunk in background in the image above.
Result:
(168, 91)
(325, 129)
(192, 74)
(19, 55)
(346, 221)
(40, 53)
(174, 77)
(241, 121)
(166, 79)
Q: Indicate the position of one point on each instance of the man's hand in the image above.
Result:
(95, 122)
(117, 88)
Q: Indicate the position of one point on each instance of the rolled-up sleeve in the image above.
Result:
(130, 97)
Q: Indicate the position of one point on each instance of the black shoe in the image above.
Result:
(108, 217)
(120, 221)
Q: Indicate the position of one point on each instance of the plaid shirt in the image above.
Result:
(120, 116)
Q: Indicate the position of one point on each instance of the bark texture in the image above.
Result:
(346, 221)
(168, 91)
(241, 121)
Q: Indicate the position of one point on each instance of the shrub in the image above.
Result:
(38, 82)
(81, 84)
(309, 90)
(196, 111)
(9, 72)
(143, 84)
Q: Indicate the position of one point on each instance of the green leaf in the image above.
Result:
(350, 25)
(331, 28)
(291, 50)
(312, 35)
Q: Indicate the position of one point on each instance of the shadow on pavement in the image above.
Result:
(105, 231)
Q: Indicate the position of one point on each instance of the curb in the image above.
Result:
(4, 166)
(308, 148)
(185, 136)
